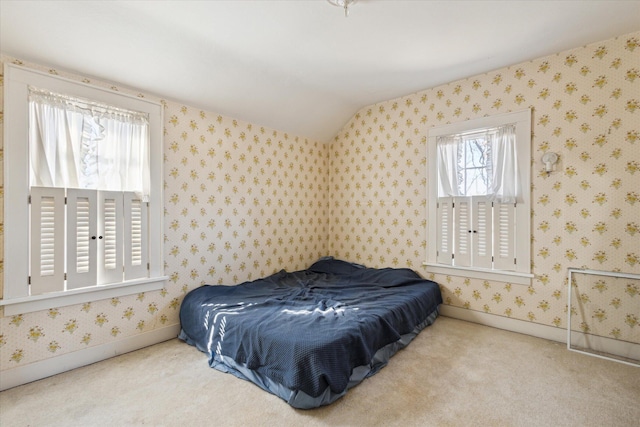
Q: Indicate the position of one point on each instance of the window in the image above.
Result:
(83, 191)
(479, 194)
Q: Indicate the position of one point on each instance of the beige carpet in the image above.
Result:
(454, 373)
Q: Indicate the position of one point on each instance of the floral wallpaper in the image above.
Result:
(586, 214)
(243, 201)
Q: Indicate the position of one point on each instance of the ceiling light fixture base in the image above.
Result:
(343, 4)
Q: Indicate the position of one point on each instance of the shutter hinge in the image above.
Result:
(453, 256)
(148, 266)
(29, 200)
(491, 258)
(514, 261)
(65, 276)
(29, 281)
(65, 200)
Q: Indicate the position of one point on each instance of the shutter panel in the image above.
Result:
(47, 240)
(444, 233)
(504, 215)
(82, 242)
(482, 232)
(136, 238)
(463, 233)
(110, 234)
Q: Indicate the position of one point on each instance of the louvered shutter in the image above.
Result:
(82, 241)
(463, 231)
(504, 251)
(110, 234)
(136, 247)
(444, 234)
(482, 232)
(47, 240)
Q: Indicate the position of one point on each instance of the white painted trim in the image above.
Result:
(16, 209)
(523, 212)
(506, 323)
(55, 365)
(512, 277)
(480, 123)
(624, 349)
(79, 296)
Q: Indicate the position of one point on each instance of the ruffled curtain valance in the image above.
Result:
(80, 144)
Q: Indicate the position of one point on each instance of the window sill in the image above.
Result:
(30, 304)
(478, 273)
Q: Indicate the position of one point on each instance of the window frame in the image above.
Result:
(522, 274)
(16, 298)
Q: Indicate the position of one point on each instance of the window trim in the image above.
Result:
(41, 302)
(523, 231)
(16, 299)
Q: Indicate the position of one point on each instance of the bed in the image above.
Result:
(309, 336)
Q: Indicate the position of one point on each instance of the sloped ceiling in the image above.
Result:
(298, 66)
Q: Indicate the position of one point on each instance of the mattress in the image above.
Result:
(309, 336)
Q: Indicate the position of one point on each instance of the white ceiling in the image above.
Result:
(298, 66)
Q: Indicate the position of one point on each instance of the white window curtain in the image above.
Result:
(79, 144)
(504, 183)
(448, 166)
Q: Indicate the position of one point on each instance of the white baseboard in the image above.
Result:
(36, 371)
(514, 325)
(624, 349)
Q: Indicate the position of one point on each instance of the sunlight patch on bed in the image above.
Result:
(329, 310)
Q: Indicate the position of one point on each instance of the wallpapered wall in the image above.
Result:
(242, 201)
(586, 108)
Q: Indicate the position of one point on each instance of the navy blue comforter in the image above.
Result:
(307, 330)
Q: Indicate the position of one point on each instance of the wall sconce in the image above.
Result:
(549, 159)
